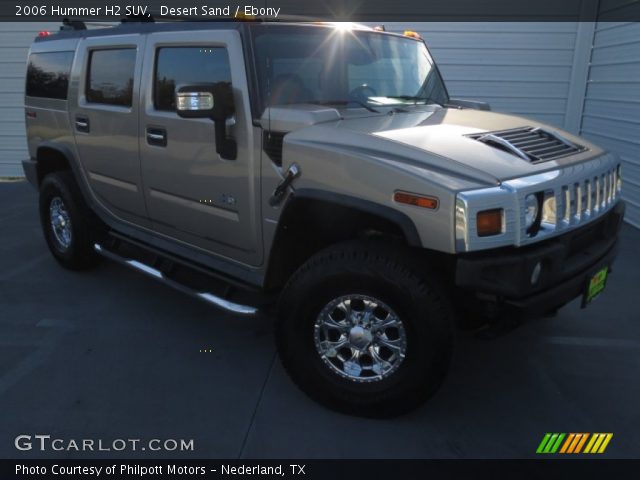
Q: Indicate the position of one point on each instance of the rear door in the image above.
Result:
(104, 119)
(192, 194)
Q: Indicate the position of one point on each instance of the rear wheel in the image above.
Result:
(362, 332)
(66, 222)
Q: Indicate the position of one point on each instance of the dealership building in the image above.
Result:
(580, 76)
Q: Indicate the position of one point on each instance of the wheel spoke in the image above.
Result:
(389, 321)
(331, 348)
(380, 365)
(332, 323)
(346, 308)
(396, 345)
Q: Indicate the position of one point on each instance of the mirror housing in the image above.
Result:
(214, 101)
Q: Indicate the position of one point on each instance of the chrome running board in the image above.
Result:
(158, 275)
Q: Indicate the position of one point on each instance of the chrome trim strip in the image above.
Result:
(505, 143)
(227, 305)
(158, 275)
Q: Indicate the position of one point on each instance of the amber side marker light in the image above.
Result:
(489, 222)
(412, 34)
(416, 200)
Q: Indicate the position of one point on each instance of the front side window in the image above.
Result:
(48, 74)
(312, 64)
(177, 66)
(110, 77)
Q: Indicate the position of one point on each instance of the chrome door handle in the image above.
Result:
(157, 136)
(82, 124)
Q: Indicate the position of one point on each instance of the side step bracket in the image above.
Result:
(158, 275)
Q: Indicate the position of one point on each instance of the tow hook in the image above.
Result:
(293, 172)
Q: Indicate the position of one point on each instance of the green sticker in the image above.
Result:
(597, 284)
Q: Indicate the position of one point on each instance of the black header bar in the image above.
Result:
(328, 10)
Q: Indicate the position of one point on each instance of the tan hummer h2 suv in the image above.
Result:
(321, 170)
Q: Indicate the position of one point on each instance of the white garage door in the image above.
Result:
(15, 39)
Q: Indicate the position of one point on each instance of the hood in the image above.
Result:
(439, 139)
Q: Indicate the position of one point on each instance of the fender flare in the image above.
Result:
(404, 223)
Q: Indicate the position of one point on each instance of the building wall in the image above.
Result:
(611, 115)
(15, 39)
(518, 67)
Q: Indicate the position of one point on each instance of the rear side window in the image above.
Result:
(110, 76)
(48, 74)
(187, 65)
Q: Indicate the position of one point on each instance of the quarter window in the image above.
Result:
(48, 74)
(187, 65)
(110, 78)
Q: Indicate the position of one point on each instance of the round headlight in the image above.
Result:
(619, 178)
(530, 210)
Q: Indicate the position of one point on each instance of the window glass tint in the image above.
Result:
(187, 65)
(110, 78)
(48, 74)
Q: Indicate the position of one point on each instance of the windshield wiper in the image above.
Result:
(345, 102)
(414, 99)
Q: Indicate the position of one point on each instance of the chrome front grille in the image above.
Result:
(571, 197)
(534, 144)
(580, 201)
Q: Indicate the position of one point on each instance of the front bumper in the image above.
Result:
(504, 275)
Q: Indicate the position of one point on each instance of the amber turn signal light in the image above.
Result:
(489, 222)
(416, 200)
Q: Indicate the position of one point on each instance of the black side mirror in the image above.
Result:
(214, 101)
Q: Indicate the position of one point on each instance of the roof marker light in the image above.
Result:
(412, 34)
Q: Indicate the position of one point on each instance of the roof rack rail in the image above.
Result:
(138, 19)
(68, 24)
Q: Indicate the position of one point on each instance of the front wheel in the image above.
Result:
(362, 332)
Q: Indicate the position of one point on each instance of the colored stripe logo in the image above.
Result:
(574, 443)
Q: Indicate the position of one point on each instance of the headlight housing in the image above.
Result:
(531, 209)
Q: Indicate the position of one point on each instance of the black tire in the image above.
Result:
(78, 254)
(384, 273)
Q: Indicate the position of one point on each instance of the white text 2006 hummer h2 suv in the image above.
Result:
(321, 169)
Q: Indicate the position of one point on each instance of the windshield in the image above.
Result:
(342, 67)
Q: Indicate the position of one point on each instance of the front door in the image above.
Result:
(192, 194)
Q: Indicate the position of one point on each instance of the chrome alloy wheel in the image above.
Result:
(360, 338)
(60, 223)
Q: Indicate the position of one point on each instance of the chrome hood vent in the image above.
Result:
(534, 144)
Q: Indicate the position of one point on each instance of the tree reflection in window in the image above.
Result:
(48, 75)
(110, 79)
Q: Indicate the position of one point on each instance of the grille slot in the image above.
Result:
(534, 144)
(580, 201)
(272, 144)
